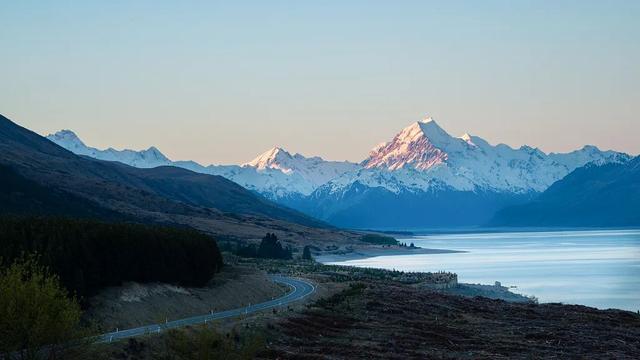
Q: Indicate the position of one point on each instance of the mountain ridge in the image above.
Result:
(275, 174)
(422, 161)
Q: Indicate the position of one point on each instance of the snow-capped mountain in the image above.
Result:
(423, 177)
(149, 158)
(276, 173)
(424, 156)
(315, 170)
(442, 178)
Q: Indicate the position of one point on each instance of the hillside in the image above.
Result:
(591, 196)
(22, 196)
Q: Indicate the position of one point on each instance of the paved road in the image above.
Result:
(300, 289)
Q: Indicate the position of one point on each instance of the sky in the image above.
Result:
(221, 82)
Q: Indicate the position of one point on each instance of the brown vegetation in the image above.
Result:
(392, 321)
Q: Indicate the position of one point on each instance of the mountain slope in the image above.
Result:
(131, 190)
(363, 207)
(21, 196)
(600, 196)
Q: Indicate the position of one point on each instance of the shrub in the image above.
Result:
(36, 314)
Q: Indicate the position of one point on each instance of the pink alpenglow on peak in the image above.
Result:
(416, 146)
(274, 158)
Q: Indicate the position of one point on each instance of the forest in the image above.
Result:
(88, 255)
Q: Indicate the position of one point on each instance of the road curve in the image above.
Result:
(300, 290)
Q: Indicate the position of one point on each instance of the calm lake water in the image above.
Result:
(594, 268)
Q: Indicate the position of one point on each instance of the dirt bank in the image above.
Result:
(133, 304)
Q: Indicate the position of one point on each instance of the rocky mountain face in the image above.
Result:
(422, 177)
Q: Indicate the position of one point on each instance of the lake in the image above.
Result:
(594, 268)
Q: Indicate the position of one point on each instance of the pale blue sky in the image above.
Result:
(219, 82)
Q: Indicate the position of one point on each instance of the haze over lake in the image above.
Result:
(593, 268)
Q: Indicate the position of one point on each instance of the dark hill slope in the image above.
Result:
(591, 196)
(21, 196)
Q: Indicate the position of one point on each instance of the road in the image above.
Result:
(300, 290)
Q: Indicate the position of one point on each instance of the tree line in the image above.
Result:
(269, 248)
(88, 255)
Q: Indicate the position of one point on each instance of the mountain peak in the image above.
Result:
(66, 135)
(427, 119)
(421, 145)
(427, 130)
(155, 155)
(269, 158)
(466, 137)
(590, 148)
(67, 139)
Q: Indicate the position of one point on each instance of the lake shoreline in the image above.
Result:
(551, 266)
(370, 252)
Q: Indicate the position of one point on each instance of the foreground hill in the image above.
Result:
(600, 196)
(165, 194)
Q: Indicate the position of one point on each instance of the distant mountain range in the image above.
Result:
(422, 178)
(426, 178)
(275, 174)
(40, 177)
